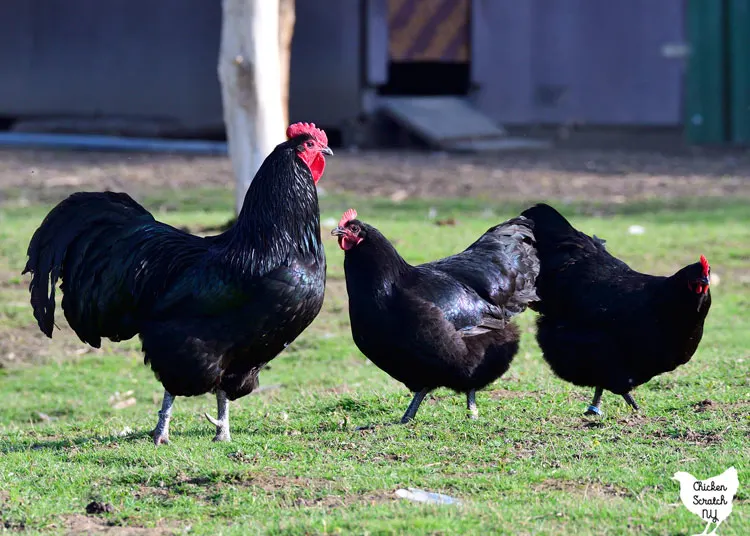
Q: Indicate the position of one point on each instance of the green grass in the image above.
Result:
(531, 464)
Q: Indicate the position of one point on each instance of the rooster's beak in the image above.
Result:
(327, 151)
(338, 231)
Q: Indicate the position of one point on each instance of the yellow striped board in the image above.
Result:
(429, 30)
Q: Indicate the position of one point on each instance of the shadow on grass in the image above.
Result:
(8, 447)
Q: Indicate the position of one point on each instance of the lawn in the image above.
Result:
(73, 421)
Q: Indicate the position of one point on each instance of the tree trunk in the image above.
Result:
(250, 76)
(286, 32)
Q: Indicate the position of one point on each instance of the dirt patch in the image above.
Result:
(703, 406)
(26, 344)
(587, 489)
(690, 436)
(570, 174)
(81, 524)
(290, 490)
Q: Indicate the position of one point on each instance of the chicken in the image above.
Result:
(604, 325)
(710, 499)
(441, 324)
(210, 312)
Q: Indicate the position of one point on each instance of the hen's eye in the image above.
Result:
(309, 144)
(354, 229)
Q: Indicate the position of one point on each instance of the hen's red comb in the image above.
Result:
(307, 128)
(348, 216)
(704, 263)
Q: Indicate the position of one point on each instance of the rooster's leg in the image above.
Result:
(161, 432)
(471, 404)
(593, 408)
(629, 399)
(411, 411)
(222, 421)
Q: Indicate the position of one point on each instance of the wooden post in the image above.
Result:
(250, 76)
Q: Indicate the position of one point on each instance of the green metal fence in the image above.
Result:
(717, 95)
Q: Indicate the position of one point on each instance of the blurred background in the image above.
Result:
(451, 74)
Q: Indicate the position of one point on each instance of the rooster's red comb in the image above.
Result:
(307, 128)
(348, 216)
(704, 263)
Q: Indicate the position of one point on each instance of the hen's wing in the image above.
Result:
(500, 267)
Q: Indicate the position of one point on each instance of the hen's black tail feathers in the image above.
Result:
(65, 236)
(549, 223)
(522, 263)
(509, 265)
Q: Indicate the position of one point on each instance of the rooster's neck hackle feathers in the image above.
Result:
(279, 217)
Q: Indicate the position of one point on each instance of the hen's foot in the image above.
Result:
(593, 408)
(631, 402)
(471, 405)
(411, 411)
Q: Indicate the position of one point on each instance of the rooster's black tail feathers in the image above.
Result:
(75, 224)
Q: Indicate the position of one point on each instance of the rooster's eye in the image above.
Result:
(309, 144)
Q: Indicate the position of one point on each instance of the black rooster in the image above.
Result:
(210, 312)
(604, 325)
(444, 323)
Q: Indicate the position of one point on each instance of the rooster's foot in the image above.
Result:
(222, 428)
(160, 438)
(161, 432)
(222, 423)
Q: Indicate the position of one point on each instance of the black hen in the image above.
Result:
(210, 312)
(444, 323)
(604, 325)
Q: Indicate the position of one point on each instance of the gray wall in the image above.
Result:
(326, 62)
(535, 61)
(595, 61)
(130, 58)
(157, 60)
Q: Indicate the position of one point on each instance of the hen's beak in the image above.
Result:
(338, 231)
(705, 280)
(327, 151)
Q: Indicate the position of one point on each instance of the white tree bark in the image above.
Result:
(250, 76)
(287, 17)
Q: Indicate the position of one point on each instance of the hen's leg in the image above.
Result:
(593, 408)
(471, 404)
(161, 432)
(411, 411)
(629, 399)
(222, 421)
